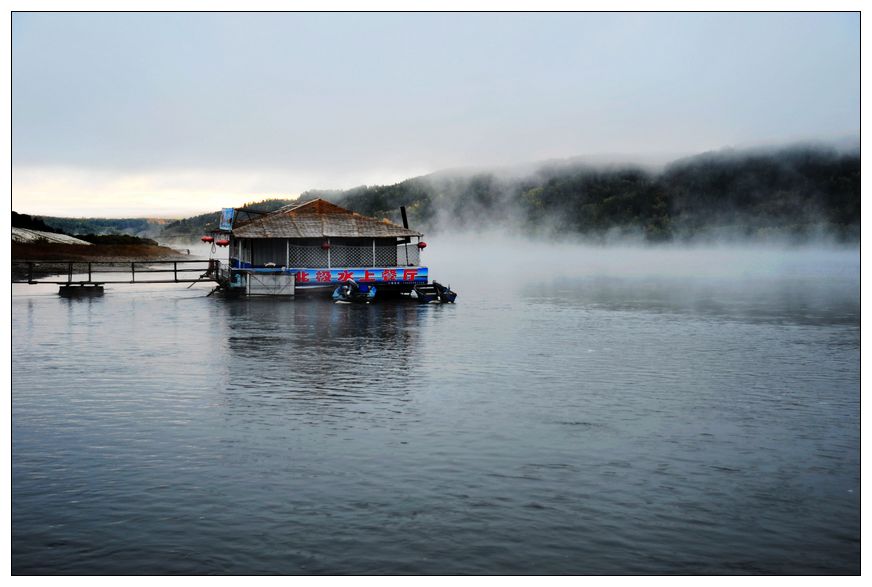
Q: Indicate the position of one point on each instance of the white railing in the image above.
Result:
(353, 256)
(408, 255)
(312, 256)
(307, 256)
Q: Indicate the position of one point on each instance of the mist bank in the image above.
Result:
(492, 254)
(798, 193)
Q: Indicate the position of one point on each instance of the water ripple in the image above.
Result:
(577, 429)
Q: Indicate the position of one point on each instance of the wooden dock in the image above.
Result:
(89, 275)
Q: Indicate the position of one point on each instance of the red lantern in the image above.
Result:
(222, 242)
(206, 239)
(422, 245)
(325, 245)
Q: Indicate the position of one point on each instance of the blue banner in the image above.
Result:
(226, 219)
(366, 275)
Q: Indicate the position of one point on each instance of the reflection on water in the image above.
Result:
(610, 424)
(311, 348)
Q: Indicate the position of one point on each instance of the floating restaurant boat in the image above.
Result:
(318, 245)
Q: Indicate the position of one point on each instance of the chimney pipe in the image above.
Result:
(405, 220)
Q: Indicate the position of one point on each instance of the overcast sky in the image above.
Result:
(173, 114)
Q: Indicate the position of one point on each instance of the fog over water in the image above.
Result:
(479, 258)
(819, 277)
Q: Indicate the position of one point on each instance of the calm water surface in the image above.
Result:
(591, 424)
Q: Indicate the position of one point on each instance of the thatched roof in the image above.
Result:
(317, 219)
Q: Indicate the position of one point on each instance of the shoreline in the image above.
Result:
(47, 252)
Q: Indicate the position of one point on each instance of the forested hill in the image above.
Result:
(196, 226)
(141, 227)
(31, 223)
(796, 193)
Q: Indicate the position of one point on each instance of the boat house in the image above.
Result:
(318, 244)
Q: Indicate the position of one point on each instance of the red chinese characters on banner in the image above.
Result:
(322, 276)
(409, 274)
(389, 275)
(302, 276)
(368, 276)
(345, 275)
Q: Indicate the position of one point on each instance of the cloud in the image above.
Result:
(296, 101)
(76, 191)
